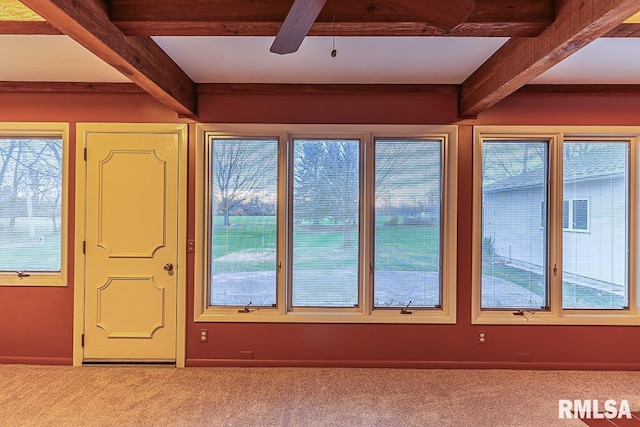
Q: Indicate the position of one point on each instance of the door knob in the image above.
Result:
(168, 267)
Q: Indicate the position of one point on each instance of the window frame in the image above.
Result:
(556, 136)
(546, 219)
(209, 206)
(44, 130)
(571, 215)
(284, 311)
(442, 214)
(362, 253)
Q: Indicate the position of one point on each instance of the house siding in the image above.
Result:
(600, 252)
(513, 219)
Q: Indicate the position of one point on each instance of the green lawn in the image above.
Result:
(249, 244)
(19, 250)
(407, 247)
(574, 296)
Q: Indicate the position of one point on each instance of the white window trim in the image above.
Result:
(571, 214)
(556, 315)
(365, 313)
(55, 130)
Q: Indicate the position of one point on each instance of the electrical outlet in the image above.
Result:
(482, 337)
(204, 335)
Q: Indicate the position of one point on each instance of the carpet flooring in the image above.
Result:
(165, 396)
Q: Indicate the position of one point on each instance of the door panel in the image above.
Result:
(131, 246)
(137, 198)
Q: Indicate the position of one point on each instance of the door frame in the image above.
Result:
(82, 129)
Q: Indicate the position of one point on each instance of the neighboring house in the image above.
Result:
(594, 217)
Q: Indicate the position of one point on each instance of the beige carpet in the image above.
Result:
(163, 396)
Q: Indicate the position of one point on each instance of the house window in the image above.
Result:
(514, 254)
(408, 204)
(315, 224)
(584, 183)
(32, 204)
(595, 185)
(326, 212)
(242, 221)
(575, 215)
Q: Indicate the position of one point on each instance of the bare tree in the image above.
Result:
(327, 180)
(312, 185)
(390, 158)
(31, 178)
(408, 178)
(240, 171)
(510, 158)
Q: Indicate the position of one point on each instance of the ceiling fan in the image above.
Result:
(444, 14)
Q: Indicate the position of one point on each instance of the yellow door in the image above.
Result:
(131, 253)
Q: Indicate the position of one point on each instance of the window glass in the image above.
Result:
(243, 175)
(580, 214)
(594, 262)
(565, 214)
(514, 245)
(407, 223)
(326, 194)
(30, 204)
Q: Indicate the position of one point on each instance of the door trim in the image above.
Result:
(82, 129)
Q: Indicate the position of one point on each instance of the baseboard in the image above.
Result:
(14, 360)
(403, 364)
(413, 364)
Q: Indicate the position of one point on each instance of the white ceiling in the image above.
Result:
(51, 59)
(603, 61)
(439, 60)
(428, 60)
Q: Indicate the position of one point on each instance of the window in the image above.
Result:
(575, 267)
(32, 204)
(326, 236)
(575, 215)
(514, 180)
(242, 227)
(594, 246)
(408, 204)
(326, 224)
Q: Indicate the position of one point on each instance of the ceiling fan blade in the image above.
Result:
(296, 25)
(444, 14)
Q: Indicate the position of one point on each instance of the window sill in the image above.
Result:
(587, 318)
(33, 280)
(273, 316)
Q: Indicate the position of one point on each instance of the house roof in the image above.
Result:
(596, 164)
(171, 48)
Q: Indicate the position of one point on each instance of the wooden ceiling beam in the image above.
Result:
(489, 18)
(363, 29)
(325, 89)
(581, 89)
(139, 58)
(28, 28)
(520, 60)
(68, 87)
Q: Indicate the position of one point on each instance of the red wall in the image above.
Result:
(36, 323)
